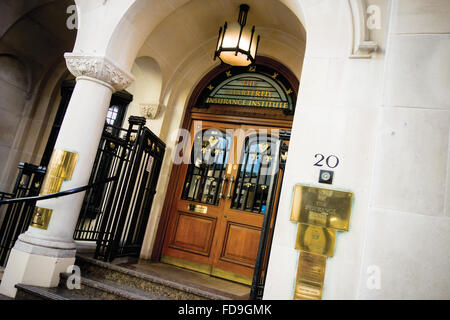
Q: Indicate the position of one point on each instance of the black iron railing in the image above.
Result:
(5, 195)
(265, 244)
(16, 222)
(118, 197)
(58, 194)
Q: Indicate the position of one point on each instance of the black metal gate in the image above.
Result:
(116, 215)
(15, 218)
(117, 204)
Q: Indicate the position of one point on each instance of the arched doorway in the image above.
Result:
(218, 197)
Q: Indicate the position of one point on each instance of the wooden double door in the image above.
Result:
(221, 198)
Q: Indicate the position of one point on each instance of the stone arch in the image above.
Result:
(329, 31)
(143, 16)
(178, 87)
(17, 10)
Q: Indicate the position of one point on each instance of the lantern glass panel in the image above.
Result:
(230, 41)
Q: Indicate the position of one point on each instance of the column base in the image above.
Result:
(32, 269)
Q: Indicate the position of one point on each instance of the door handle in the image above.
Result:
(230, 187)
(222, 187)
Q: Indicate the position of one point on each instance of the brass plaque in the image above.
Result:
(315, 239)
(306, 289)
(322, 207)
(61, 167)
(310, 276)
(62, 164)
(197, 208)
(298, 296)
(41, 218)
(51, 185)
(311, 267)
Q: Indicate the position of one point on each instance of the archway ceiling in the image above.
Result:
(192, 30)
(13, 10)
(39, 36)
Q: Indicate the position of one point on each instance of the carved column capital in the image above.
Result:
(99, 68)
(149, 110)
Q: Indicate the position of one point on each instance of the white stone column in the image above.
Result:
(39, 255)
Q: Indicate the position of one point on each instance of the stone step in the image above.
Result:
(27, 292)
(2, 297)
(101, 289)
(107, 281)
(90, 289)
(112, 273)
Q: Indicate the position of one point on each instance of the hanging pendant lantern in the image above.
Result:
(237, 45)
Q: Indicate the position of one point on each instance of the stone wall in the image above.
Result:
(408, 228)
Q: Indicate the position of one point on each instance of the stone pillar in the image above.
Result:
(41, 254)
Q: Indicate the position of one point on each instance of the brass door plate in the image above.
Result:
(316, 240)
(197, 208)
(322, 207)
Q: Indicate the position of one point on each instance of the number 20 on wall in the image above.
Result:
(331, 161)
